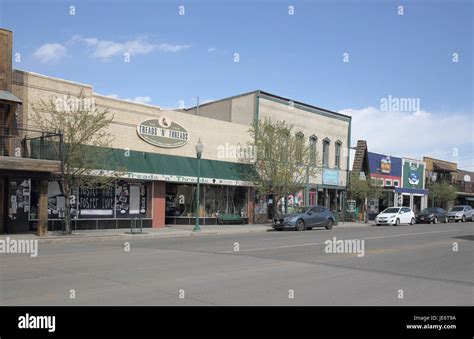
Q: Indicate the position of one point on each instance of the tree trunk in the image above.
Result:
(65, 191)
(365, 211)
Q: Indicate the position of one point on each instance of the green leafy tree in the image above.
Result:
(442, 192)
(363, 189)
(283, 164)
(86, 137)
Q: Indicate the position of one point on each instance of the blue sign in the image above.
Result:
(330, 177)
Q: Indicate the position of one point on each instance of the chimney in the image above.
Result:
(6, 38)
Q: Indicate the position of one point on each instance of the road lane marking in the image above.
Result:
(271, 248)
(284, 237)
(320, 243)
(401, 235)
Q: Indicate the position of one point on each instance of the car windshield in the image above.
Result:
(429, 210)
(391, 210)
(457, 209)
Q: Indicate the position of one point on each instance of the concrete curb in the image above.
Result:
(172, 234)
(88, 238)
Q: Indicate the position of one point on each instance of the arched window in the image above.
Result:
(299, 147)
(338, 146)
(312, 149)
(326, 143)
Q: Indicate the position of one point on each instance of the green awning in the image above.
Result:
(155, 166)
(171, 165)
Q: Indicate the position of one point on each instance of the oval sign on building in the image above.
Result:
(163, 132)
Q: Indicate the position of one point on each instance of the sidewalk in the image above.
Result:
(165, 232)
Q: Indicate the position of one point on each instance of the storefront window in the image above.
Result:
(180, 200)
(261, 205)
(120, 199)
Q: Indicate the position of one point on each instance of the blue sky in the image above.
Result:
(178, 57)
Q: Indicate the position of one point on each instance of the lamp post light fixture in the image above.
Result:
(199, 149)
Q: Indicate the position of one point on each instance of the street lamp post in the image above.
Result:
(433, 180)
(199, 150)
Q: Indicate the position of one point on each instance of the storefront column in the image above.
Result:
(424, 202)
(3, 227)
(159, 204)
(411, 201)
(42, 229)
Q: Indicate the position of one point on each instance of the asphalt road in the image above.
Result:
(405, 265)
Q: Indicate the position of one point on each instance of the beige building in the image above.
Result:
(156, 147)
(328, 131)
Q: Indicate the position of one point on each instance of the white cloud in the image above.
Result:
(410, 134)
(106, 49)
(137, 99)
(50, 52)
(211, 49)
(165, 47)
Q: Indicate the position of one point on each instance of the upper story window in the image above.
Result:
(299, 147)
(326, 143)
(268, 147)
(312, 149)
(284, 147)
(338, 146)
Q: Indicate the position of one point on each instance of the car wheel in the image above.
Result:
(329, 224)
(412, 221)
(435, 220)
(300, 225)
(463, 218)
(397, 222)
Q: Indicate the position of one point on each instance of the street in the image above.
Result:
(405, 265)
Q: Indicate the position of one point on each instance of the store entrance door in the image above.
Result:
(312, 198)
(15, 205)
(416, 204)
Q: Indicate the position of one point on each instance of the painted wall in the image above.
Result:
(239, 109)
(31, 88)
(385, 167)
(310, 123)
(413, 174)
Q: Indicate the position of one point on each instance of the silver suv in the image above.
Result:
(460, 213)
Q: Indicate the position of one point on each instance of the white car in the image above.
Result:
(395, 216)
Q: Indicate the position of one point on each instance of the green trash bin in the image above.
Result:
(336, 217)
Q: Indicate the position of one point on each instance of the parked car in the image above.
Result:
(308, 218)
(460, 213)
(395, 216)
(432, 215)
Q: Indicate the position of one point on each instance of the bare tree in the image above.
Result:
(86, 140)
